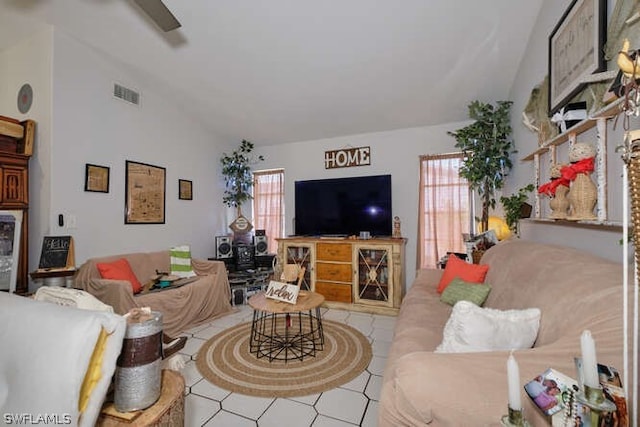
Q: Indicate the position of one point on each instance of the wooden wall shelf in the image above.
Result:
(593, 225)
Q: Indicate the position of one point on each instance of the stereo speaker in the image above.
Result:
(261, 245)
(223, 247)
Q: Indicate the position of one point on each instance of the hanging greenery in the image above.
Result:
(236, 169)
(487, 146)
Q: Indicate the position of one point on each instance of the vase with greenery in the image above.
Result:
(513, 207)
(236, 169)
(487, 146)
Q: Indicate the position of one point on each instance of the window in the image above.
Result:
(268, 204)
(444, 209)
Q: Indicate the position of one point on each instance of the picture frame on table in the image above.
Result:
(145, 193)
(185, 189)
(576, 50)
(96, 178)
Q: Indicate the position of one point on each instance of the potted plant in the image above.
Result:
(236, 169)
(487, 146)
(516, 207)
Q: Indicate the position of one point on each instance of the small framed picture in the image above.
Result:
(96, 178)
(185, 189)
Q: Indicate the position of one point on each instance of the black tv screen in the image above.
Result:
(343, 206)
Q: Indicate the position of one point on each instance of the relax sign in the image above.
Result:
(282, 292)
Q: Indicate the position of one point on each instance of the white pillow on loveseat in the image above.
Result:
(471, 328)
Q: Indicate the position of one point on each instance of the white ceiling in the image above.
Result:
(275, 71)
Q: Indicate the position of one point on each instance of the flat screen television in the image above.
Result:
(343, 206)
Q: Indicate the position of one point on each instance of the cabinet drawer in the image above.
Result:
(14, 186)
(333, 272)
(333, 252)
(334, 292)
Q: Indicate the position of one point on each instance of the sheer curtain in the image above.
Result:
(268, 204)
(444, 208)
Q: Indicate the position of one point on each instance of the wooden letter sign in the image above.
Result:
(347, 157)
(282, 292)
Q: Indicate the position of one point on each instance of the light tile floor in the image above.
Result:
(352, 404)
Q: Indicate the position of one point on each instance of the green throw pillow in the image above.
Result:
(181, 261)
(459, 290)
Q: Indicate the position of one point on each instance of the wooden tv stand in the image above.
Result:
(353, 274)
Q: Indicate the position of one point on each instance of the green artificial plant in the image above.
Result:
(487, 146)
(512, 206)
(236, 169)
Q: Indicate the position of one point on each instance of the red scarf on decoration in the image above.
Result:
(583, 166)
(550, 187)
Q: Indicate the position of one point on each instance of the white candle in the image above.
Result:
(589, 363)
(513, 382)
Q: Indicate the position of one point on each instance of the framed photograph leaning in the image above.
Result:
(185, 189)
(96, 178)
(576, 50)
(145, 193)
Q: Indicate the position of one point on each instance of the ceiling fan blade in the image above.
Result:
(159, 13)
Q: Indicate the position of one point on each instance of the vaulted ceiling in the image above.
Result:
(275, 71)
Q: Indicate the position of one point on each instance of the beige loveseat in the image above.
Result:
(574, 291)
(183, 307)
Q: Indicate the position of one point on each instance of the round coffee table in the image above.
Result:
(283, 331)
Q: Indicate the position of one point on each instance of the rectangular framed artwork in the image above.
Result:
(185, 189)
(145, 193)
(96, 178)
(575, 50)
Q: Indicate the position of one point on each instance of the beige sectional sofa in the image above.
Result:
(574, 291)
(189, 305)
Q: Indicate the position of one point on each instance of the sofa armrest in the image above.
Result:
(116, 293)
(203, 267)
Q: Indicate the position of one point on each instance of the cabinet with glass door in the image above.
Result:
(302, 255)
(373, 275)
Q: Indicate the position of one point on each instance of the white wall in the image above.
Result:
(90, 126)
(31, 62)
(394, 152)
(79, 122)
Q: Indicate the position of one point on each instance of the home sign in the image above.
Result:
(282, 292)
(347, 157)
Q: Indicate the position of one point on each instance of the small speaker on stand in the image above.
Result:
(261, 244)
(223, 247)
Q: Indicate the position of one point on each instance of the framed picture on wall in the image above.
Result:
(185, 189)
(10, 232)
(96, 178)
(576, 49)
(145, 190)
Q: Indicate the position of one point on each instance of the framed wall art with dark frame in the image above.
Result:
(576, 50)
(185, 189)
(96, 178)
(145, 193)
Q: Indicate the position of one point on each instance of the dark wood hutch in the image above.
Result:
(16, 148)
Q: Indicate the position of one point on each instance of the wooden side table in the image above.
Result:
(283, 331)
(167, 411)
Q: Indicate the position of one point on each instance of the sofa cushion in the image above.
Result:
(181, 261)
(459, 290)
(471, 328)
(119, 270)
(458, 268)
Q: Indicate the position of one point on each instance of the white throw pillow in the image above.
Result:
(471, 328)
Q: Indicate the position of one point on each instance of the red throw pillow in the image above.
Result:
(456, 267)
(119, 270)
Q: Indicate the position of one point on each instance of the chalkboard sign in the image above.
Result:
(57, 252)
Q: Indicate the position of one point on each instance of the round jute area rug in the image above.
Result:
(225, 361)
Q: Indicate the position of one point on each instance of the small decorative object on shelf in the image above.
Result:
(557, 189)
(396, 228)
(583, 193)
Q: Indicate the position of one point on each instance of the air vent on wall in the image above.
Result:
(126, 94)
